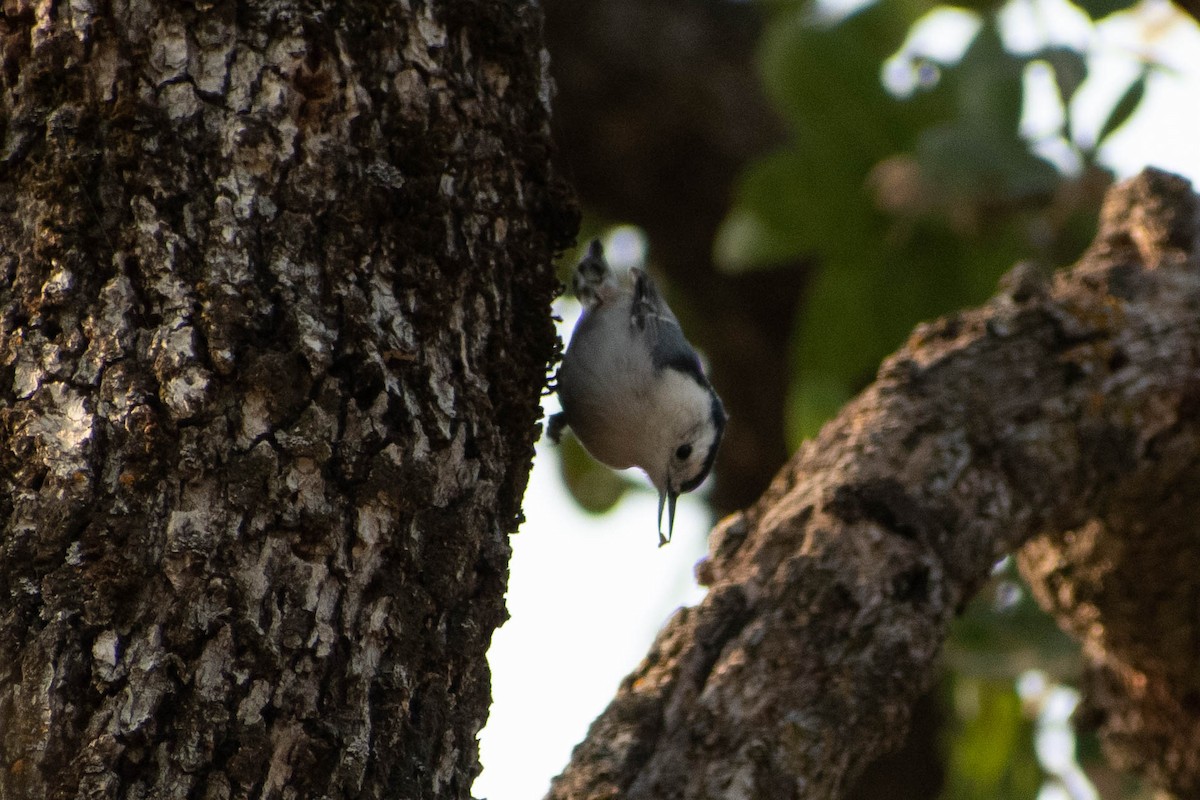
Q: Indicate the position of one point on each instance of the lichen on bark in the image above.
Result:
(274, 314)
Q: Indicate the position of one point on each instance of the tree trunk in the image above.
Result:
(274, 315)
(1062, 406)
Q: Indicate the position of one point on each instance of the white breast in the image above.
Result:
(603, 384)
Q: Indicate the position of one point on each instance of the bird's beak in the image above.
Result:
(666, 498)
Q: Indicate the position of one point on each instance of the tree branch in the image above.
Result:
(1045, 410)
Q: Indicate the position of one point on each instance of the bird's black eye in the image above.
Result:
(683, 451)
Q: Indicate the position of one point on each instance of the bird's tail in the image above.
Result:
(592, 276)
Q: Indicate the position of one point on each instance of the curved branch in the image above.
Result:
(830, 598)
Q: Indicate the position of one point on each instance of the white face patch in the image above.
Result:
(692, 468)
(687, 434)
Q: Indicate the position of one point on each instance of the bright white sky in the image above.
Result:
(587, 594)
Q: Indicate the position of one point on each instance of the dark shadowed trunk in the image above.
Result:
(1063, 411)
(274, 315)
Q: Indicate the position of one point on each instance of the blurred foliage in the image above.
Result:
(989, 738)
(1001, 638)
(1003, 633)
(913, 200)
(594, 486)
(989, 743)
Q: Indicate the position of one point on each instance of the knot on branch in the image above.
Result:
(1153, 219)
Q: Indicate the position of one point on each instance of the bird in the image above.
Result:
(632, 387)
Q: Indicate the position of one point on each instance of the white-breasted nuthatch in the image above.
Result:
(632, 388)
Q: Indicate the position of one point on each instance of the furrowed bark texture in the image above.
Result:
(274, 313)
(1127, 581)
(1050, 409)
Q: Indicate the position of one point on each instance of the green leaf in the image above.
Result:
(1123, 109)
(825, 79)
(989, 82)
(1070, 70)
(992, 755)
(980, 6)
(745, 240)
(793, 203)
(889, 254)
(594, 486)
(986, 161)
(1001, 640)
(1098, 9)
(816, 397)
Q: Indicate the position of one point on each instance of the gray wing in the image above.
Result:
(668, 347)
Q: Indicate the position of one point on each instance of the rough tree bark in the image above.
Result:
(274, 311)
(1127, 581)
(1062, 405)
